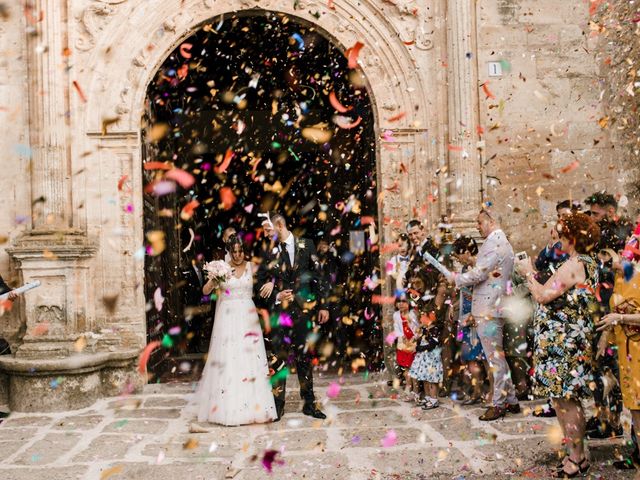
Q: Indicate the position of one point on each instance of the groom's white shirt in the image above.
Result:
(290, 244)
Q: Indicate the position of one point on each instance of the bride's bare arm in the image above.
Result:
(208, 287)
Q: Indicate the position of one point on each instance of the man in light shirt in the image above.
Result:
(489, 279)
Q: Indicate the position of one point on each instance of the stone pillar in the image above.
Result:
(49, 107)
(464, 166)
(60, 363)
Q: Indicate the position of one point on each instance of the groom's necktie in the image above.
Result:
(285, 252)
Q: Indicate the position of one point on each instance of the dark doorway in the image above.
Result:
(263, 111)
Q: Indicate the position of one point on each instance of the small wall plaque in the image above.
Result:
(495, 69)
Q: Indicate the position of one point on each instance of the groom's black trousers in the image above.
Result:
(288, 344)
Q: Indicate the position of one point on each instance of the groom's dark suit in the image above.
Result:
(295, 318)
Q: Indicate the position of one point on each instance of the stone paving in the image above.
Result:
(147, 437)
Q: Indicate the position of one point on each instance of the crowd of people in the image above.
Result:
(486, 325)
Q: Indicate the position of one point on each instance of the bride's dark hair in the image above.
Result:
(232, 242)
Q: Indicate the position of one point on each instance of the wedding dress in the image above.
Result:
(235, 387)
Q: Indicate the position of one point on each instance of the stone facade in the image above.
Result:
(75, 75)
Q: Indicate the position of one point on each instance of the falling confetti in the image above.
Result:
(144, 356)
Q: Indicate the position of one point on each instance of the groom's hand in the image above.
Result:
(285, 296)
(323, 316)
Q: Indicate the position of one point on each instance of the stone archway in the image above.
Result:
(396, 89)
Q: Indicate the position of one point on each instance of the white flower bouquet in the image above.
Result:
(219, 271)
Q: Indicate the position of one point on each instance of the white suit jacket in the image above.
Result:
(490, 276)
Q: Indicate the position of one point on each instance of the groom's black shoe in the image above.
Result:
(312, 411)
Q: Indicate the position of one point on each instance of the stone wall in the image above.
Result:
(14, 141)
(541, 116)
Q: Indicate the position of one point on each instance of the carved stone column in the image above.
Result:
(49, 108)
(465, 167)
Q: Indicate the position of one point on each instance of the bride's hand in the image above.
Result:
(266, 290)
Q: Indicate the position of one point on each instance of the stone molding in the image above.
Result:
(62, 306)
(465, 167)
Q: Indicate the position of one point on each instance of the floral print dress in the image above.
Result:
(564, 330)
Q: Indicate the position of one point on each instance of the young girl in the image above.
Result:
(405, 324)
(427, 364)
(471, 354)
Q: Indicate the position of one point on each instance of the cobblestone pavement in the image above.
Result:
(147, 437)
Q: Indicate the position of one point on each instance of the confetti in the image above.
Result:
(184, 179)
(144, 356)
(187, 211)
(269, 458)
(111, 471)
(228, 156)
(185, 50)
(81, 94)
(333, 390)
(353, 53)
(336, 104)
(390, 439)
(397, 117)
(487, 92)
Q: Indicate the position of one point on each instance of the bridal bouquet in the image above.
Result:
(219, 271)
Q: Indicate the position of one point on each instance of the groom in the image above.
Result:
(299, 289)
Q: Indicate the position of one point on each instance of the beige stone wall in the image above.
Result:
(14, 142)
(545, 112)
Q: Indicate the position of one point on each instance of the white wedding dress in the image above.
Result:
(235, 387)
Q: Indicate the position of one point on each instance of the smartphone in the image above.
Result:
(522, 255)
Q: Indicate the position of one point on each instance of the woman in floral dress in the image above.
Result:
(564, 329)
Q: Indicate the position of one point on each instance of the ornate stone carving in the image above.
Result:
(414, 28)
(92, 20)
(49, 314)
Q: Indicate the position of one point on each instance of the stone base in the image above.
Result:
(70, 383)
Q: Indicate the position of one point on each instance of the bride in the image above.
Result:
(235, 387)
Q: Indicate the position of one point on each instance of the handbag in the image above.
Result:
(407, 345)
(632, 332)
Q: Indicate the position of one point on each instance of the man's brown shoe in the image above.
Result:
(493, 413)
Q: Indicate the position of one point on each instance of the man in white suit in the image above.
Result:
(489, 279)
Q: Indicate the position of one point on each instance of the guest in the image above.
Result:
(6, 350)
(552, 256)
(614, 231)
(405, 326)
(489, 279)
(472, 357)
(196, 307)
(622, 326)
(564, 329)
(427, 364)
(400, 263)
(420, 241)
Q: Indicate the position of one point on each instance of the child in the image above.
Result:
(427, 364)
(405, 324)
(427, 292)
(400, 263)
(472, 356)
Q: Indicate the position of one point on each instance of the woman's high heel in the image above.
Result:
(583, 468)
